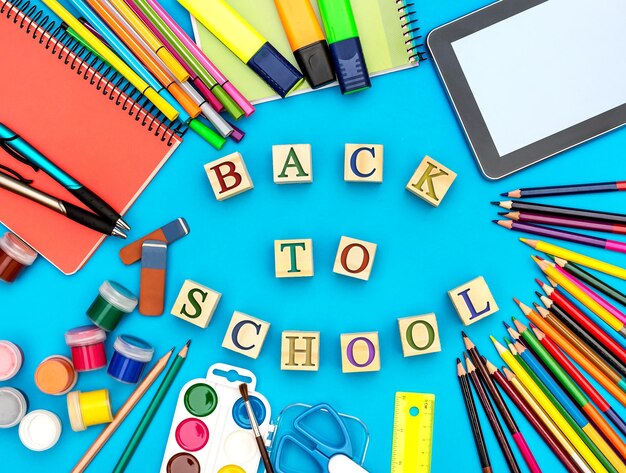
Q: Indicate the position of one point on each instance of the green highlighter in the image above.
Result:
(345, 46)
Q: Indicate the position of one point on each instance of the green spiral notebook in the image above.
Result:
(388, 30)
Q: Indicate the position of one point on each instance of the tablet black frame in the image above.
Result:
(491, 163)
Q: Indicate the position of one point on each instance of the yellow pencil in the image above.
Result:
(550, 271)
(110, 57)
(574, 257)
(549, 408)
(151, 40)
(546, 419)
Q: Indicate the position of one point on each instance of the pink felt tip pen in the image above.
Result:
(193, 77)
(237, 96)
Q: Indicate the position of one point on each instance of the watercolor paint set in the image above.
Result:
(211, 431)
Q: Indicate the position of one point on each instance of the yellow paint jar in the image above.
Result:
(89, 408)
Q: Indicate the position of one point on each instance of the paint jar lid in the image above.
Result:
(13, 407)
(118, 296)
(40, 430)
(74, 412)
(85, 335)
(55, 375)
(133, 348)
(11, 360)
(17, 249)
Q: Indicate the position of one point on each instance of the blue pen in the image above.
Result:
(127, 56)
(21, 150)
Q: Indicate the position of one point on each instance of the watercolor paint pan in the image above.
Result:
(211, 431)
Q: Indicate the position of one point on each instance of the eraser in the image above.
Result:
(169, 233)
(152, 279)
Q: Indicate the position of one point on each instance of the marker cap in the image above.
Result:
(350, 65)
(314, 61)
(274, 69)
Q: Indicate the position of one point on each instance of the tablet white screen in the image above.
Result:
(547, 69)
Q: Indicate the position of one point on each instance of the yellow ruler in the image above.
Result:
(413, 420)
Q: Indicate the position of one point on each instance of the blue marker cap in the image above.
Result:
(274, 69)
(350, 65)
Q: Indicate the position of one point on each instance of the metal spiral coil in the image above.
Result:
(411, 31)
(88, 65)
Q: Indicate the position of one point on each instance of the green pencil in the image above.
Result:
(144, 423)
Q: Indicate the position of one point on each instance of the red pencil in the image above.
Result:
(541, 429)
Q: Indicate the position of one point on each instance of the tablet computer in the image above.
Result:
(530, 79)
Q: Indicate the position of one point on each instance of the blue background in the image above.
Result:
(422, 253)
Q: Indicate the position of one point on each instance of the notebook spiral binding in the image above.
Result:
(411, 31)
(86, 64)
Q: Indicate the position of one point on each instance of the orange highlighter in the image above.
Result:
(307, 41)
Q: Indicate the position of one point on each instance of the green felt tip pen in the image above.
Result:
(345, 46)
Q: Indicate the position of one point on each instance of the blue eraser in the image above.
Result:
(274, 69)
(153, 254)
(350, 65)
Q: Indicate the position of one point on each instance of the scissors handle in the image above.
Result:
(320, 443)
(316, 455)
(343, 464)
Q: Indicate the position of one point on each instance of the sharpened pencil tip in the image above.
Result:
(463, 334)
(505, 194)
(495, 202)
(506, 326)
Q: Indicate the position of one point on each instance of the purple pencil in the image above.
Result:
(563, 235)
(566, 222)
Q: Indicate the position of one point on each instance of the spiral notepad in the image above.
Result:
(81, 114)
(389, 32)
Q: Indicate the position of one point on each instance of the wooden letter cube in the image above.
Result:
(363, 163)
(473, 301)
(245, 335)
(293, 258)
(292, 164)
(355, 258)
(196, 303)
(228, 176)
(419, 335)
(360, 352)
(300, 351)
(431, 181)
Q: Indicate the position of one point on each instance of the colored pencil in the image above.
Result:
(576, 355)
(594, 440)
(550, 270)
(591, 280)
(576, 393)
(550, 409)
(543, 219)
(121, 414)
(579, 379)
(564, 235)
(557, 211)
(562, 454)
(582, 347)
(152, 409)
(472, 414)
(619, 315)
(545, 419)
(581, 259)
(517, 435)
(547, 191)
(491, 416)
(601, 350)
(559, 304)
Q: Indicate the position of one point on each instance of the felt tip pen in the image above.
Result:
(205, 62)
(120, 66)
(22, 150)
(246, 43)
(345, 45)
(307, 41)
(71, 211)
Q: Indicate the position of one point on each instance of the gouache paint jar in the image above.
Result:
(112, 303)
(11, 359)
(131, 356)
(87, 346)
(89, 408)
(40, 430)
(13, 406)
(55, 375)
(15, 255)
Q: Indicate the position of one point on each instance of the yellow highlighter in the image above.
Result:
(246, 43)
(110, 57)
(151, 40)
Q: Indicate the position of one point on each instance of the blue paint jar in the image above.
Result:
(129, 359)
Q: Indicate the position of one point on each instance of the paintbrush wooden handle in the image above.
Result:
(264, 455)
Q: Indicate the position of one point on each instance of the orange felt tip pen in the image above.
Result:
(307, 41)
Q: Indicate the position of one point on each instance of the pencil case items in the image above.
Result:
(211, 431)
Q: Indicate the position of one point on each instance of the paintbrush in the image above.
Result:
(243, 389)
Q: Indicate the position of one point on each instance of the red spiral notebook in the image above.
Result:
(68, 106)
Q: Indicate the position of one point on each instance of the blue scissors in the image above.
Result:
(331, 458)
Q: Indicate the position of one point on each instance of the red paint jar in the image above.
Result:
(15, 255)
(87, 346)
